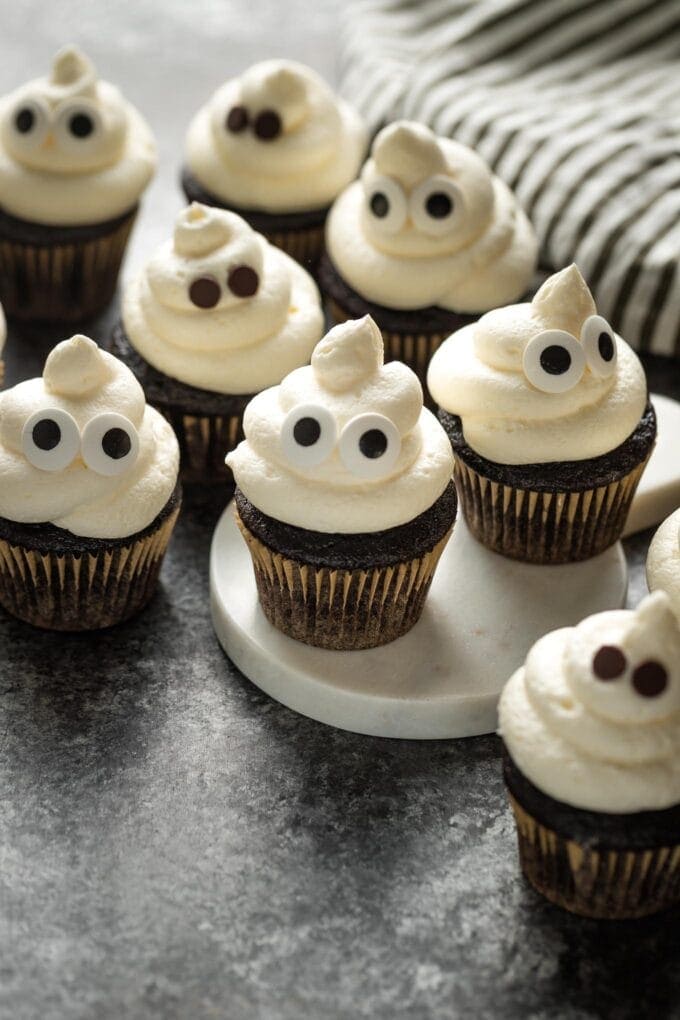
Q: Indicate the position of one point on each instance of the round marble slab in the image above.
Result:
(443, 678)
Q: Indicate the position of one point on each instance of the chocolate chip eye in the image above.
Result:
(438, 205)
(599, 345)
(50, 439)
(554, 361)
(110, 444)
(370, 445)
(267, 125)
(205, 292)
(609, 663)
(243, 281)
(24, 120)
(386, 204)
(46, 434)
(81, 125)
(650, 679)
(237, 119)
(116, 443)
(380, 204)
(308, 435)
(373, 443)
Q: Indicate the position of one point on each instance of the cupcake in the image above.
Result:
(591, 727)
(663, 560)
(275, 146)
(74, 160)
(425, 241)
(344, 494)
(88, 493)
(216, 315)
(550, 422)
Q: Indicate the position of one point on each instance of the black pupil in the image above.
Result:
(555, 360)
(116, 443)
(373, 443)
(438, 205)
(306, 431)
(24, 120)
(605, 345)
(46, 434)
(81, 125)
(380, 205)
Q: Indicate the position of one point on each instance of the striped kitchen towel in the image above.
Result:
(574, 103)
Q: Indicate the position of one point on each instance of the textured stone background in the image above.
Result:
(175, 845)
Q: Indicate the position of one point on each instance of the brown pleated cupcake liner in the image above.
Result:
(545, 527)
(414, 349)
(339, 609)
(83, 591)
(599, 883)
(62, 282)
(305, 245)
(204, 441)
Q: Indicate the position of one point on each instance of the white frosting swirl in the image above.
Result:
(317, 151)
(595, 743)
(73, 151)
(663, 560)
(345, 492)
(479, 374)
(478, 255)
(230, 342)
(85, 382)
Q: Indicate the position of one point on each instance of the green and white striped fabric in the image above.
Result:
(574, 103)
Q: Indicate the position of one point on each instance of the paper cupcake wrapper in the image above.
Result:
(305, 245)
(414, 349)
(544, 527)
(85, 591)
(601, 883)
(341, 609)
(65, 282)
(204, 441)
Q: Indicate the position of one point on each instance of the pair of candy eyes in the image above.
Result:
(75, 123)
(554, 361)
(649, 679)
(434, 205)
(369, 444)
(266, 125)
(206, 291)
(51, 440)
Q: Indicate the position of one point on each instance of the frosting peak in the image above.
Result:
(277, 85)
(75, 368)
(72, 73)
(564, 301)
(201, 230)
(348, 355)
(409, 152)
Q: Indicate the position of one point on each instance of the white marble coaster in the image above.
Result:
(443, 678)
(658, 494)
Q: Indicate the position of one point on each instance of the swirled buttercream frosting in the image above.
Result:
(543, 381)
(80, 449)
(219, 308)
(663, 560)
(429, 224)
(73, 151)
(343, 445)
(276, 139)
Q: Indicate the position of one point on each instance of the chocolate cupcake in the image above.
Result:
(74, 160)
(216, 315)
(276, 147)
(591, 727)
(425, 242)
(663, 560)
(549, 418)
(89, 492)
(344, 495)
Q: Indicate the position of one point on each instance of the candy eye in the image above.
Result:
(386, 204)
(110, 444)
(205, 292)
(308, 435)
(78, 124)
(29, 121)
(243, 281)
(609, 663)
(50, 439)
(267, 125)
(237, 119)
(599, 344)
(436, 205)
(370, 445)
(650, 679)
(554, 361)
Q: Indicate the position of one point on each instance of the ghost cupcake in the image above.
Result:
(276, 146)
(88, 492)
(663, 560)
(75, 158)
(215, 316)
(591, 727)
(425, 241)
(344, 494)
(550, 421)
